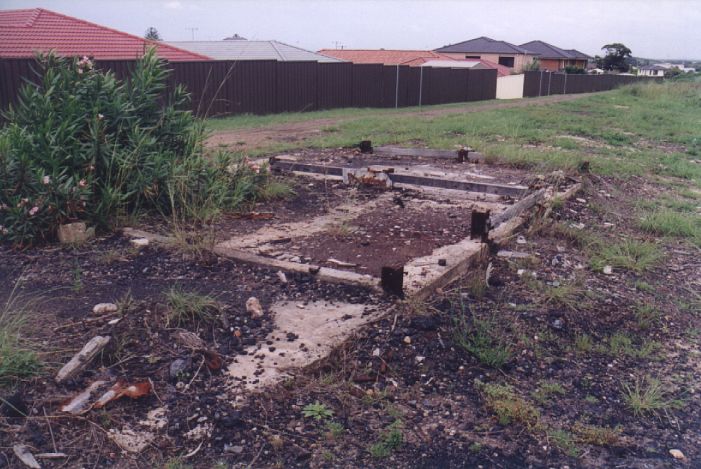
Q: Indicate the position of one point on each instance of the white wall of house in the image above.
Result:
(510, 87)
(651, 73)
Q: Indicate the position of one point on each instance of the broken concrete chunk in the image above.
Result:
(253, 307)
(513, 254)
(104, 308)
(75, 233)
(607, 270)
(82, 359)
(139, 242)
(25, 456)
(281, 276)
(129, 440)
(520, 240)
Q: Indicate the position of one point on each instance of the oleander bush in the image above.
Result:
(82, 145)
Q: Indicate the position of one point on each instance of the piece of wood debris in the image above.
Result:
(51, 455)
(331, 260)
(25, 456)
(83, 358)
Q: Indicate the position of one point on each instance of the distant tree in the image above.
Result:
(534, 65)
(152, 34)
(616, 58)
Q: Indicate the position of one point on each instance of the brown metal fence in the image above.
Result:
(264, 87)
(547, 83)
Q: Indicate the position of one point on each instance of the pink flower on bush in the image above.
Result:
(46, 179)
(82, 183)
(33, 211)
(3, 230)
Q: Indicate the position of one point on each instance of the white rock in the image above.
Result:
(104, 308)
(607, 270)
(23, 454)
(582, 201)
(520, 240)
(376, 352)
(676, 454)
(407, 340)
(139, 242)
(520, 272)
(419, 358)
(281, 276)
(253, 307)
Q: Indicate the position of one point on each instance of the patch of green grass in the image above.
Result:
(18, 355)
(621, 345)
(507, 405)
(647, 315)
(671, 223)
(598, 436)
(629, 254)
(317, 411)
(335, 429)
(591, 399)
(647, 396)
(485, 339)
(391, 439)
(475, 447)
(187, 307)
(275, 189)
(583, 343)
(547, 390)
(176, 463)
(563, 440)
(643, 286)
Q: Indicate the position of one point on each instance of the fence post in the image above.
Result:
(540, 85)
(396, 90)
(421, 83)
(564, 87)
(550, 80)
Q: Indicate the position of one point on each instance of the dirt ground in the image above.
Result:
(248, 138)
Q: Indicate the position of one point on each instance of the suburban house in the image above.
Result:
(652, 71)
(485, 48)
(239, 48)
(553, 59)
(412, 58)
(23, 33)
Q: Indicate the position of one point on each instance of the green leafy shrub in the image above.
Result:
(82, 145)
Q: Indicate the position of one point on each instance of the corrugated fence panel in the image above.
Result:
(334, 85)
(296, 86)
(389, 86)
(367, 85)
(409, 86)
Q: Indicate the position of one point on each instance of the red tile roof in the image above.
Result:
(413, 58)
(24, 32)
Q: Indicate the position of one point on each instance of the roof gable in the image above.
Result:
(23, 33)
(484, 45)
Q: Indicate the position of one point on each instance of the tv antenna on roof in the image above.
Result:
(192, 32)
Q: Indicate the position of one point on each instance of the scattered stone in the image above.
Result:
(419, 359)
(331, 260)
(254, 308)
(557, 324)
(407, 340)
(75, 233)
(296, 259)
(178, 367)
(129, 440)
(581, 201)
(235, 449)
(676, 454)
(376, 352)
(607, 270)
(139, 242)
(104, 308)
(520, 240)
(282, 277)
(520, 272)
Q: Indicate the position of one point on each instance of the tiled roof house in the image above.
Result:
(23, 33)
(485, 48)
(553, 58)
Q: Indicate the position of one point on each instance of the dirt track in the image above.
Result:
(249, 138)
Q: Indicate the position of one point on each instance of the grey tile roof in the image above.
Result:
(484, 45)
(549, 51)
(251, 50)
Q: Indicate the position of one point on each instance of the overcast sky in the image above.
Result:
(651, 28)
